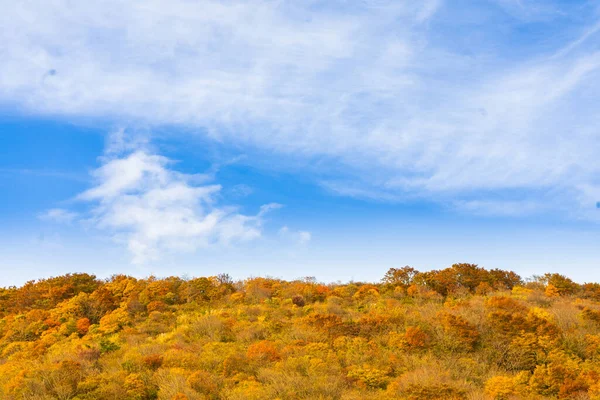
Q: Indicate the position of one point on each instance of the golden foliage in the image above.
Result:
(263, 351)
(501, 387)
(457, 333)
(415, 337)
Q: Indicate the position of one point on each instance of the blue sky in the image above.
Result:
(330, 139)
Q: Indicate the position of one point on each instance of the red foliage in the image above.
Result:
(263, 351)
(83, 325)
(153, 361)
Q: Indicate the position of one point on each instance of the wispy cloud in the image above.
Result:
(434, 104)
(59, 215)
(510, 208)
(362, 191)
(296, 237)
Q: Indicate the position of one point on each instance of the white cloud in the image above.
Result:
(531, 9)
(361, 191)
(139, 199)
(297, 237)
(121, 141)
(241, 190)
(304, 237)
(500, 207)
(58, 215)
(379, 87)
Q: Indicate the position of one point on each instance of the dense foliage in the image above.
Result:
(458, 333)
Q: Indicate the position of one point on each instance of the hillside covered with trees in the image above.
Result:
(463, 332)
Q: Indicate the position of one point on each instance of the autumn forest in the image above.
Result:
(462, 332)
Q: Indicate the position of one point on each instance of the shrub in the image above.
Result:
(368, 377)
(463, 334)
(106, 346)
(500, 387)
(83, 325)
(204, 383)
(263, 351)
(153, 361)
(591, 315)
(428, 383)
(156, 305)
(298, 300)
(416, 338)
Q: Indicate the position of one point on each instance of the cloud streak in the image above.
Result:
(385, 90)
(59, 215)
